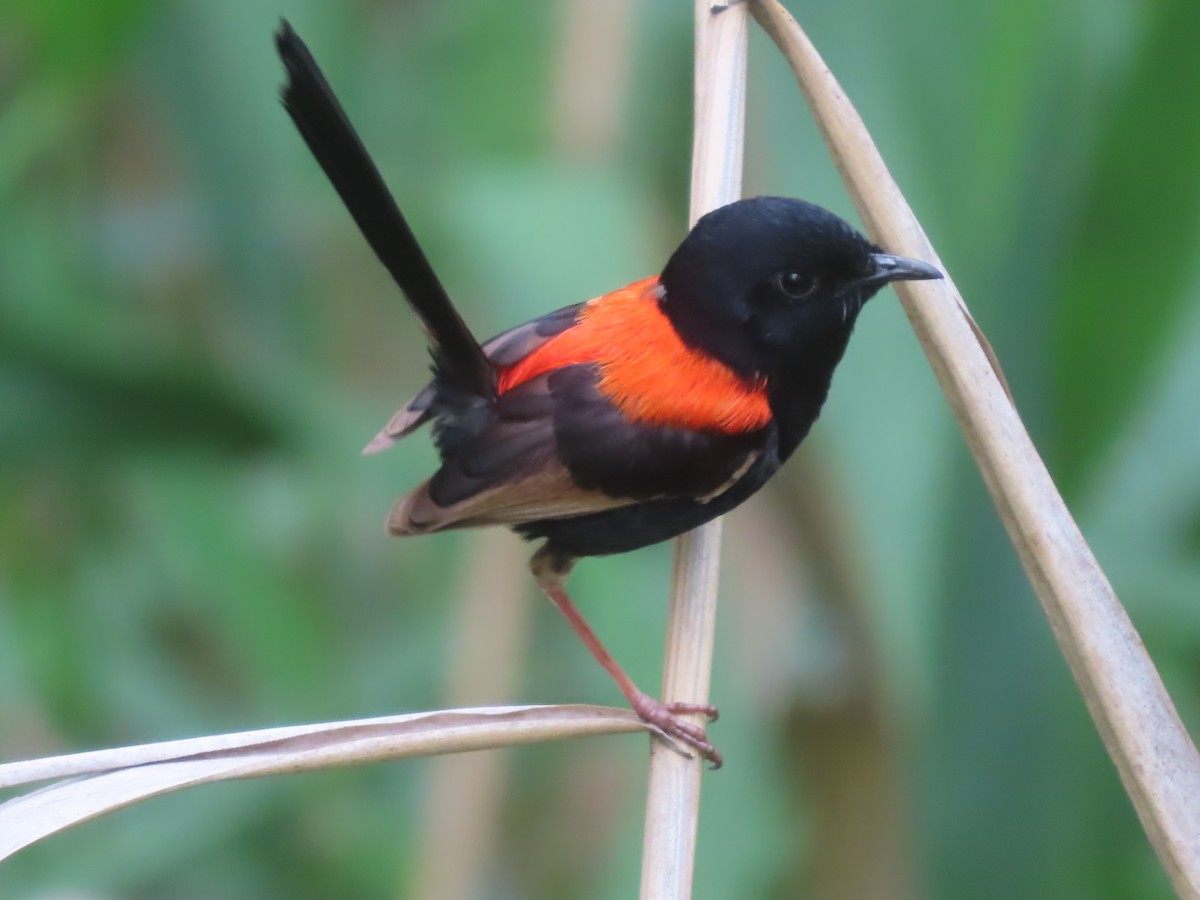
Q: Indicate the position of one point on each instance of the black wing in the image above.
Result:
(505, 349)
(556, 448)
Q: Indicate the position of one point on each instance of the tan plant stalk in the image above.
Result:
(590, 80)
(460, 821)
(848, 748)
(1158, 763)
(673, 794)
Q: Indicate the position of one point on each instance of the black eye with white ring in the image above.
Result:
(797, 285)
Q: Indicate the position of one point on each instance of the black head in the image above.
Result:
(764, 282)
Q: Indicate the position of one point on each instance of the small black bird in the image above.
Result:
(617, 423)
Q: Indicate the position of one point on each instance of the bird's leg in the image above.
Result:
(550, 569)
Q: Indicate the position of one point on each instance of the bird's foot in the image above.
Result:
(666, 718)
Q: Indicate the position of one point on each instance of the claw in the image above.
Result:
(666, 718)
(707, 710)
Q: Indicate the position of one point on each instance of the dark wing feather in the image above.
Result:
(323, 124)
(508, 473)
(504, 350)
(545, 495)
(609, 454)
(510, 347)
(558, 449)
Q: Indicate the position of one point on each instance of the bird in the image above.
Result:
(616, 423)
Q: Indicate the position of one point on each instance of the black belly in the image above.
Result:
(642, 524)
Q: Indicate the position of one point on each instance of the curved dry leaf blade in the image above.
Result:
(1158, 763)
(108, 780)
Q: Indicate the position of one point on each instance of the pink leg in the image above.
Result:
(550, 572)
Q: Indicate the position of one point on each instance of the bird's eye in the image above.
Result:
(797, 285)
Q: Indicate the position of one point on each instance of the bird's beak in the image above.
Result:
(888, 268)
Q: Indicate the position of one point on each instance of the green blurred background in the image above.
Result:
(195, 343)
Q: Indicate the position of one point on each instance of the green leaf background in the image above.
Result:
(195, 344)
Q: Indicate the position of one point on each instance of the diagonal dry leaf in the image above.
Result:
(1158, 763)
(117, 778)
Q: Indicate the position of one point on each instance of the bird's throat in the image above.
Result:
(797, 391)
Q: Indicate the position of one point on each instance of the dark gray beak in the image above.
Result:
(890, 268)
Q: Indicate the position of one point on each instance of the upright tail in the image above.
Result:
(325, 128)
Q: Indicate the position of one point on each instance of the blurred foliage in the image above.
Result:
(194, 343)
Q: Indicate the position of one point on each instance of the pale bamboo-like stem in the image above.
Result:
(673, 793)
(860, 845)
(120, 777)
(464, 793)
(591, 78)
(1157, 761)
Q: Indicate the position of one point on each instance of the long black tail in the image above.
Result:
(323, 124)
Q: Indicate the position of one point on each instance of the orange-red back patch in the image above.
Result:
(646, 369)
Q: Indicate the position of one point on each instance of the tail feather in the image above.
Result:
(333, 141)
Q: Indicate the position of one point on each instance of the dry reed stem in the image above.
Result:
(591, 77)
(851, 745)
(673, 793)
(460, 822)
(1158, 763)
